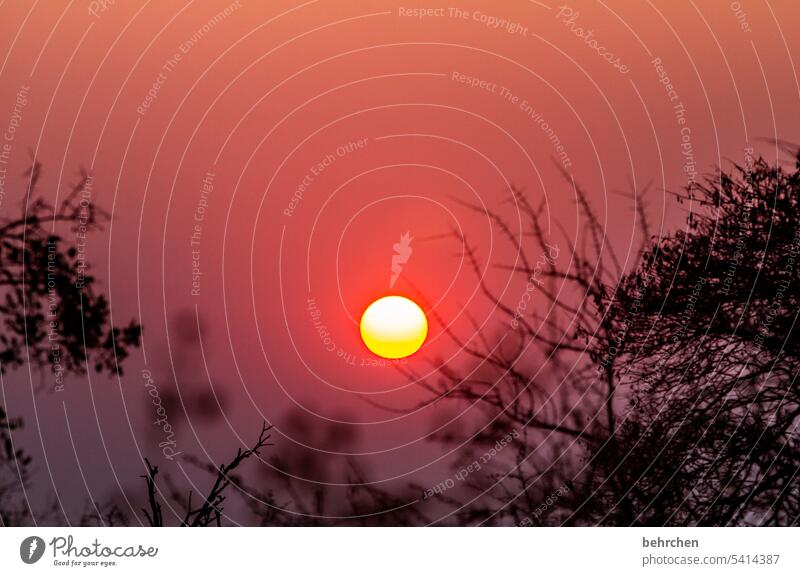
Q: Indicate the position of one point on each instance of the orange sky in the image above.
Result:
(285, 146)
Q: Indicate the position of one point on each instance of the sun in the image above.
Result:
(393, 327)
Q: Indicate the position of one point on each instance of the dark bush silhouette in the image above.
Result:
(712, 436)
(671, 395)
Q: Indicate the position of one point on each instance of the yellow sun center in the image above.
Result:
(393, 327)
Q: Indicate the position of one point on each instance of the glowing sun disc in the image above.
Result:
(393, 327)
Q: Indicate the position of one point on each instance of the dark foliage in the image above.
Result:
(48, 295)
(674, 399)
(51, 314)
(14, 475)
(714, 354)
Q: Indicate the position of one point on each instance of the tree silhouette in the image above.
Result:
(49, 297)
(51, 313)
(712, 435)
(671, 395)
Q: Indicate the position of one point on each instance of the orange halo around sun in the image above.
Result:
(393, 327)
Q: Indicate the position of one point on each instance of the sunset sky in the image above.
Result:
(261, 160)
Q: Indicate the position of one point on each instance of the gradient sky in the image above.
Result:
(390, 123)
